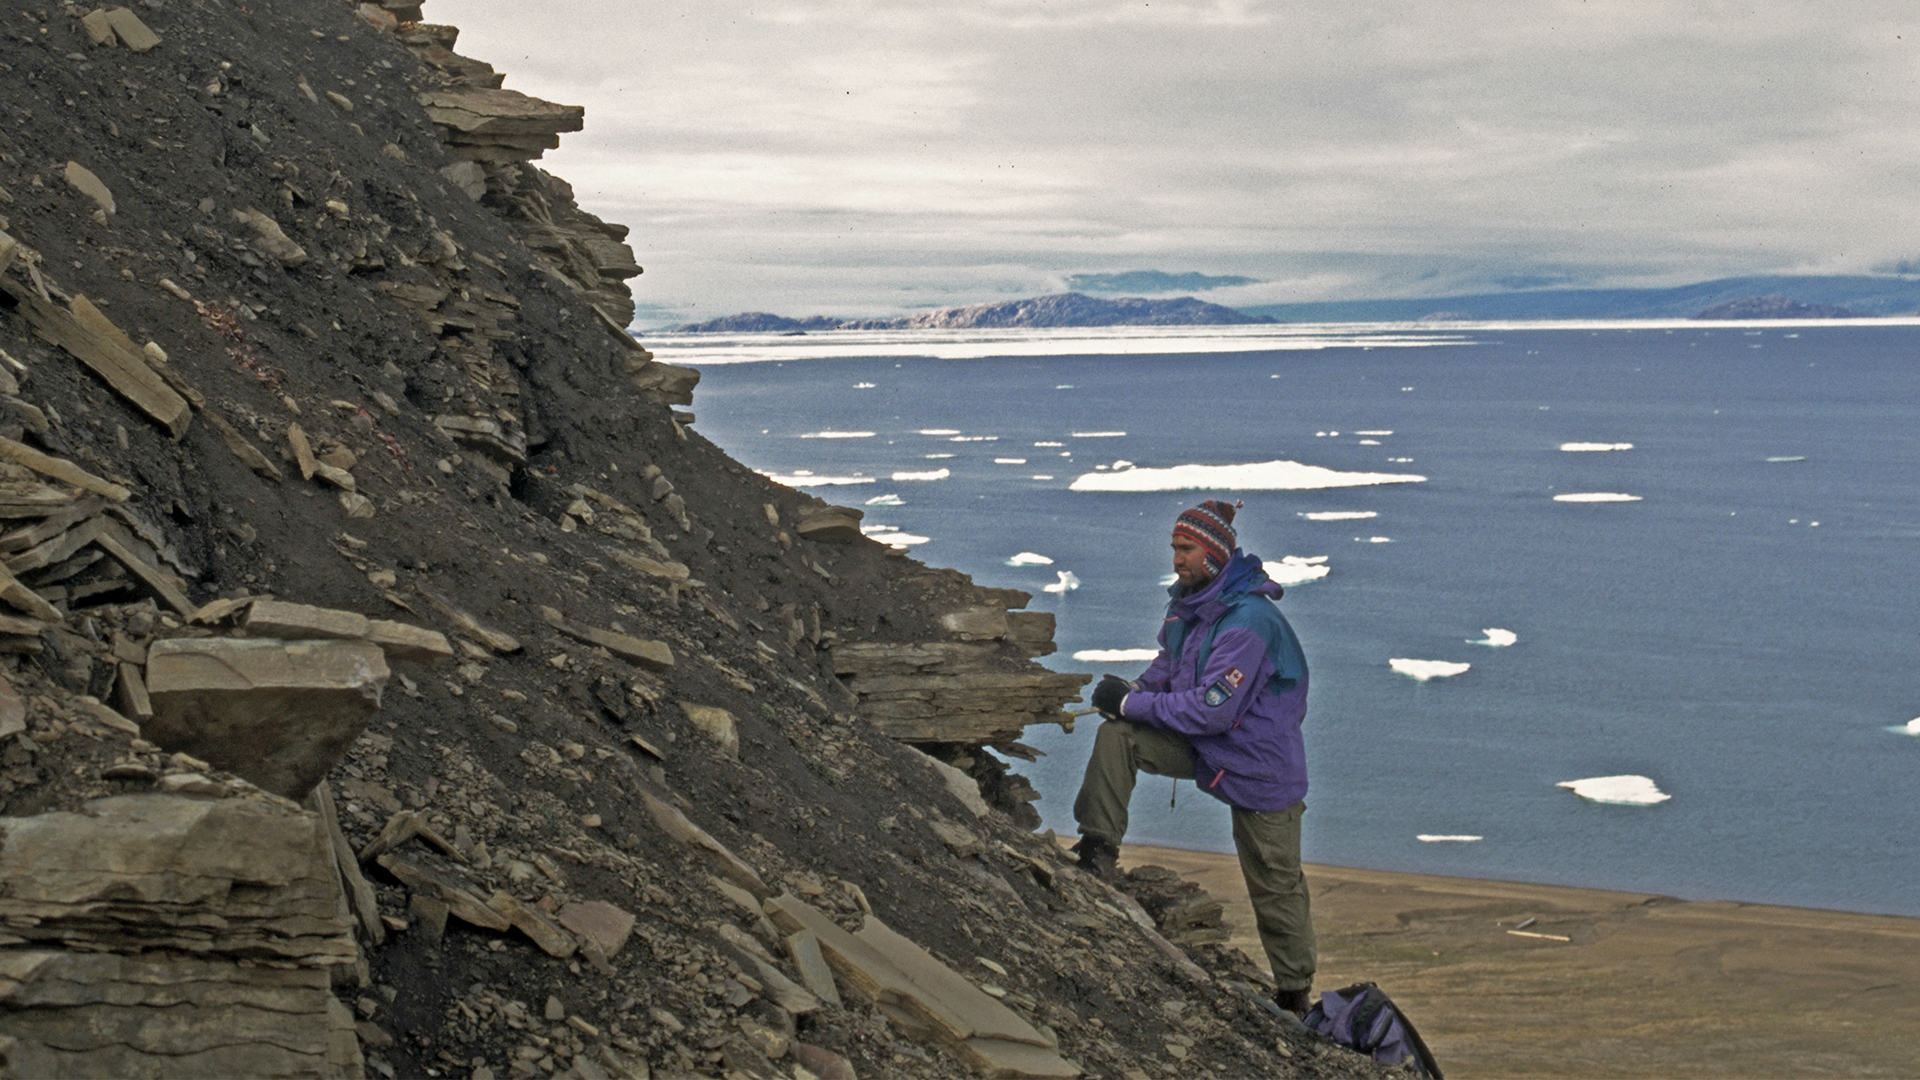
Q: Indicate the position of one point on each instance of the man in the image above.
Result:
(1221, 705)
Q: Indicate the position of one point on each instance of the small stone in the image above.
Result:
(555, 1010)
(269, 240)
(340, 101)
(382, 579)
(89, 185)
(716, 724)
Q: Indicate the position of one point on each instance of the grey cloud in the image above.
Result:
(867, 155)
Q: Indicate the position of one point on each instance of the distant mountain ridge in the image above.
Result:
(1058, 310)
(1858, 295)
(1755, 297)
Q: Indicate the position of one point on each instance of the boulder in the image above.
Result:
(279, 713)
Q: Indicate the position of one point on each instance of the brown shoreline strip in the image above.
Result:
(1616, 983)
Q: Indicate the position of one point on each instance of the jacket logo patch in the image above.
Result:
(1218, 693)
(1234, 678)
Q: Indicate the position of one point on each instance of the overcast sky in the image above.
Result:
(879, 156)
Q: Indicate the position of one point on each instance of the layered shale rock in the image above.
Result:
(163, 935)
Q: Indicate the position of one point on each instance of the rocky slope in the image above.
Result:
(1058, 310)
(394, 682)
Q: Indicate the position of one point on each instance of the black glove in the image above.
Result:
(1109, 694)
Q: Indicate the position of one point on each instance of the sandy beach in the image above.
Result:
(1606, 984)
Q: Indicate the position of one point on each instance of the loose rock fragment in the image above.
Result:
(269, 238)
(132, 32)
(84, 182)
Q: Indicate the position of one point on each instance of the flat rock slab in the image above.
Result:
(477, 111)
(893, 972)
(279, 713)
(838, 525)
(605, 924)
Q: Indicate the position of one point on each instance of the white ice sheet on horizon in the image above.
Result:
(1116, 656)
(1340, 515)
(1098, 434)
(838, 435)
(938, 431)
(1596, 497)
(974, 343)
(1422, 670)
(1617, 790)
(1443, 838)
(1254, 476)
(1029, 558)
(936, 474)
(1594, 447)
(1496, 638)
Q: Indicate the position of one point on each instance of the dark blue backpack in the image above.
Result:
(1364, 1018)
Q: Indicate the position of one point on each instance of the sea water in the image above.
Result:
(1685, 552)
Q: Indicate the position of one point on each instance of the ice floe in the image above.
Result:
(1423, 670)
(1444, 838)
(803, 478)
(1790, 457)
(1378, 434)
(1618, 790)
(1116, 656)
(1029, 558)
(838, 435)
(891, 534)
(1596, 497)
(1067, 583)
(1043, 478)
(1594, 447)
(886, 500)
(863, 386)
(938, 431)
(1295, 570)
(936, 457)
(1340, 515)
(1050, 444)
(975, 438)
(1255, 476)
(1497, 638)
(935, 474)
(1098, 434)
(1911, 727)
(1169, 579)
(1373, 539)
(1369, 442)
(1009, 461)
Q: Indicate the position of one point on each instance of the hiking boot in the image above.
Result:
(1296, 1002)
(1098, 857)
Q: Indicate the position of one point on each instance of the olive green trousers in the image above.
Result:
(1268, 841)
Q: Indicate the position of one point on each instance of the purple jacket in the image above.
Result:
(1232, 679)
